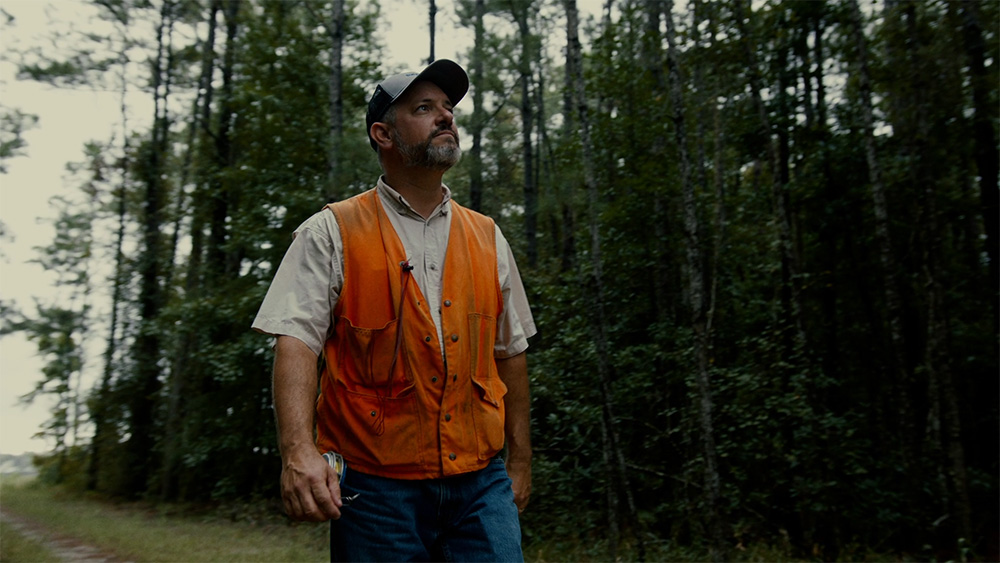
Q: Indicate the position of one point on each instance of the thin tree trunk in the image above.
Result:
(103, 429)
(431, 24)
(600, 318)
(987, 158)
(335, 28)
(779, 189)
(182, 369)
(937, 355)
(652, 55)
(223, 261)
(520, 10)
(478, 112)
(887, 258)
(696, 298)
(146, 351)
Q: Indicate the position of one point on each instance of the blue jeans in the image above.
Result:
(468, 517)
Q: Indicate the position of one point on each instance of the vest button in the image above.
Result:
(373, 413)
(447, 417)
(447, 302)
(434, 379)
(427, 339)
(454, 338)
(452, 456)
(454, 377)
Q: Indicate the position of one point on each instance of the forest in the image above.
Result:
(760, 241)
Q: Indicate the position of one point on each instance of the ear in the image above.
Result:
(381, 134)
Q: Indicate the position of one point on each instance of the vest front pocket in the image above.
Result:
(365, 356)
(385, 430)
(488, 388)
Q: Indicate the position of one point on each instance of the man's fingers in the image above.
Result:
(309, 492)
(324, 500)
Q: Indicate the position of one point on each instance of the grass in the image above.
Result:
(139, 532)
(15, 547)
(147, 532)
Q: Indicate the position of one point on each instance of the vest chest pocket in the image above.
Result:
(365, 357)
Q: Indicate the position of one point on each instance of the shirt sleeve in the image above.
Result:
(307, 284)
(515, 325)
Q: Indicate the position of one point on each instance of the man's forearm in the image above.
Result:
(309, 487)
(517, 426)
(517, 404)
(294, 388)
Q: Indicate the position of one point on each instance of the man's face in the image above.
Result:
(424, 133)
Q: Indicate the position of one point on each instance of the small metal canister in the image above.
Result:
(338, 464)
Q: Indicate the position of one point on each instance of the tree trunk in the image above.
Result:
(696, 299)
(652, 55)
(791, 296)
(987, 158)
(616, 455)
(520, 10)
(335, 28)
(431, 25)
(915, 130)
(104, 433)
(224, 261)
(894, 309)
(182, 370)
(142, 394)
(478, 124)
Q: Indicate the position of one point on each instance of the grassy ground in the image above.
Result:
(15, 547)
(145, 532)
(137, 532)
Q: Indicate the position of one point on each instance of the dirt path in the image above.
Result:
(64, 548)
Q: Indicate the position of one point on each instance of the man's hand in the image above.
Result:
(520, 482)
(310, 488)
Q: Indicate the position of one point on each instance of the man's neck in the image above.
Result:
(421, 188)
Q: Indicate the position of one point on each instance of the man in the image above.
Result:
(416, 307)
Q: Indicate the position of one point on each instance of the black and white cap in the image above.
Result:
(447, 75)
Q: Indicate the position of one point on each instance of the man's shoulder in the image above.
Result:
(321, 222)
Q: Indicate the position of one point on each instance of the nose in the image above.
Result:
(445, 116)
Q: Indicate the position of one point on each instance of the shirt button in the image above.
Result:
(447, 417)
(447, 302)
(452, 456)
(454, 338)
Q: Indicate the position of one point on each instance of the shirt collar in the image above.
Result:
(403, 207)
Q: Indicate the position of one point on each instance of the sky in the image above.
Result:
(70, 118)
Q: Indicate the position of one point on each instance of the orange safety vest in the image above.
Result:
(390, 404)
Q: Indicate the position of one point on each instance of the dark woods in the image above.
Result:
(760, 240)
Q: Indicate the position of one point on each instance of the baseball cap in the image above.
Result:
(447, 75)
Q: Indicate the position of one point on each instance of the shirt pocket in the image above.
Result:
(488, 389)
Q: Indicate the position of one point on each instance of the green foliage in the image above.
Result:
(13, 124)
(809, 399)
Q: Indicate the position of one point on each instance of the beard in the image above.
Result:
(427, 154)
